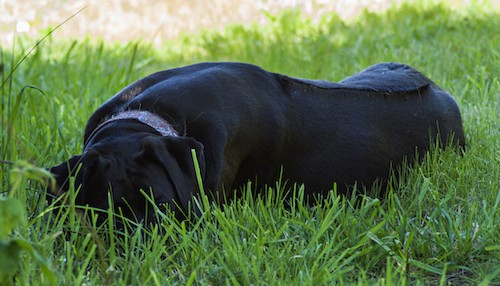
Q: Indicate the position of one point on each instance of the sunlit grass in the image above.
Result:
(439, 224)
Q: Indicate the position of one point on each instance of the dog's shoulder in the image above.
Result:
(195, 75)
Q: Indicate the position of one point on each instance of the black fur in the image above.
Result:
(246, 123)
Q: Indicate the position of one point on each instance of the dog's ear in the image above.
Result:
(175, 155)
(62, 172)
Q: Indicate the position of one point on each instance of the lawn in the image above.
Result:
(438, 224)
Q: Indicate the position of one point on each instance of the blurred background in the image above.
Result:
(159, 20)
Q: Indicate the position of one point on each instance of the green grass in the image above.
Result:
(439, 224)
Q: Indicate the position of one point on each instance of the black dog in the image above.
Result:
(248, 124)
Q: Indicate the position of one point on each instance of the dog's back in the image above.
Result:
(357, 129)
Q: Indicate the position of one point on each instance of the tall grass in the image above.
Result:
(439, 224)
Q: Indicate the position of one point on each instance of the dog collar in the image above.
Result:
(154, 121)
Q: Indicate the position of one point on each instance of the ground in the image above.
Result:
(157, 20)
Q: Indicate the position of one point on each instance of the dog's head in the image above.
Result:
(125, 163)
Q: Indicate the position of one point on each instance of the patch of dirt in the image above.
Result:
(159, 20)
